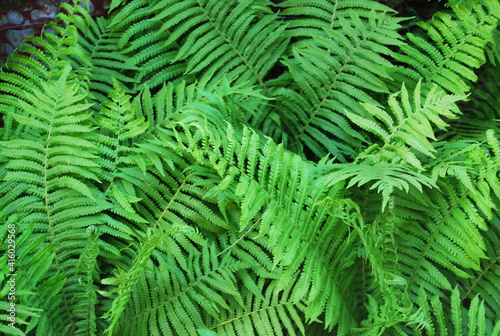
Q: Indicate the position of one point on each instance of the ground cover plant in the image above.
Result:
(207, 167)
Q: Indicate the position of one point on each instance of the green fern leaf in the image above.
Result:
(332, 78)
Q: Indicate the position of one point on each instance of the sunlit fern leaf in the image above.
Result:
(59, 114)
(455, 48)
(385, 177)
(218, 104)
(406, 130)
(119, 125)
(167, 186)
(264, 179)
(206, 226)
(461, 159)
(333, 78)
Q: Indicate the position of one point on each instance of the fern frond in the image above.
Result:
(480, 109)
(405, 132)
(251, 174)
(275, 313)
(101, 62)
(39, 59)
(16, 255)
(58, 168)
(457, 47)
(463, 321)
(85, 299)
(170, 288)
(135, 149)
(125, 281)
(144, 46)
(452, 229)
(218, 38)
(411, 122)
(313, 18)
(332, 78)
(484, 281)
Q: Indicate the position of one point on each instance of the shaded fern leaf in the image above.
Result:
(463, 321)
(333, 77)
(313, 18)
(101, 62)
(58, 168)
(457, 47)
(218, 38)
(141, 41)
(480, 109)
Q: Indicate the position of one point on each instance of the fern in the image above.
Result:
(404, 133)
(457, 47)
(331, 78)
(472, 321)
(251, 168)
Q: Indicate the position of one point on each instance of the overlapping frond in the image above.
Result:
(481, 107)
(205, 286)
(39, 59)
(141, 41)
(404, 132)
(449, 242)
(455, 48)
(331, 78)
(56, 168)
(275, 188)
(457, 319)
(218, 38)
(313, 18)
(148, 198)
(101, 61)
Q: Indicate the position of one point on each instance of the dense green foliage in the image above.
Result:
(242, 167)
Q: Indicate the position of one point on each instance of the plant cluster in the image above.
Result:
(242, 167)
